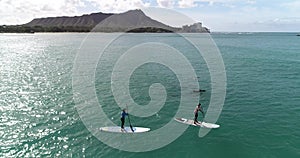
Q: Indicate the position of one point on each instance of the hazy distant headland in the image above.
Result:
(131, 21)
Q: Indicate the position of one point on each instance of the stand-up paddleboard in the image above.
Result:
(117, 129)
(191, 122)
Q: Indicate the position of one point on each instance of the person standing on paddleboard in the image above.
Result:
(123, 114)
(198, 108)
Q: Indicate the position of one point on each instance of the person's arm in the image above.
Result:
(125, 113)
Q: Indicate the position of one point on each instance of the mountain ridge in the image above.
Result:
(83, 20)
(100, 22)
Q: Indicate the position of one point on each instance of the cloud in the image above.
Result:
(195, 3)
(294, 5)
(187, 4)
(166, 3)
(23, 11)
(289, 20)
(118, 5)
(225, 2)
(251, 1)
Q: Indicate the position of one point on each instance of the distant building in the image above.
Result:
(194, 28)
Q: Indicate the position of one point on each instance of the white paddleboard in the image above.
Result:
(191, 122)
(117, 129)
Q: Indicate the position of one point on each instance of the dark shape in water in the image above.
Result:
(200, 90)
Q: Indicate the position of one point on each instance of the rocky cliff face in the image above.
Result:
(129, 20)
(77, 21)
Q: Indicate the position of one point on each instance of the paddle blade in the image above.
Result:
(131, 128)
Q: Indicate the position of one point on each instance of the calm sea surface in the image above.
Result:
(260, 117)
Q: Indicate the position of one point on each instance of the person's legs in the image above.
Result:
(122, 122)
(196, 118)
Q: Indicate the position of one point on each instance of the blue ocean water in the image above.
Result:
(259, 118)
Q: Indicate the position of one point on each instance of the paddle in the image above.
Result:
(203, 115)
(129, 120)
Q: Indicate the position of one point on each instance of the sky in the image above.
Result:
(217, 15)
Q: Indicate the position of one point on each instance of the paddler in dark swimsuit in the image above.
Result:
(198, 108)
(123, 114)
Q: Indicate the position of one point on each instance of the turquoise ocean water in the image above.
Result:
(260, 117)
